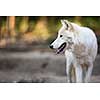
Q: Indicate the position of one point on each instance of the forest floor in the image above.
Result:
(37, 67)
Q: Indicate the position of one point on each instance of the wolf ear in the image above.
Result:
(67, 24)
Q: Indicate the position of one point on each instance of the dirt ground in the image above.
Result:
(37, 67)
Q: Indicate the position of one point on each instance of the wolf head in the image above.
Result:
(64, 38)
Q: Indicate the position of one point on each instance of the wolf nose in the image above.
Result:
(51, 46)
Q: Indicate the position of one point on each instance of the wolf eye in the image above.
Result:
(61, 35)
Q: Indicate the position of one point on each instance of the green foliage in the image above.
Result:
(28, 24)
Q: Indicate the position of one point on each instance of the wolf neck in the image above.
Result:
(78, 48)
(76, 28)
(76, 32)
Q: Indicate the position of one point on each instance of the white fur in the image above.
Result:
(82, 37)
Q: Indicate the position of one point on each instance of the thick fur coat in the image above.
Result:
(80, 49)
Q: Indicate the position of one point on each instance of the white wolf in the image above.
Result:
(80, 46)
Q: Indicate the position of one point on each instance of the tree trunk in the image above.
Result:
(11, 26)
(24, 24)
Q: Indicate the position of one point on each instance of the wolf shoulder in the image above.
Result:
(83, 30)
(88, 31)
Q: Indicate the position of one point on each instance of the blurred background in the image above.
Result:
(24, 48)
(38, 29)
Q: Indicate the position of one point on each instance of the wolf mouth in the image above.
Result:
(61, 48)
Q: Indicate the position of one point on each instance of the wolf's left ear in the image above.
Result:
(67, 24)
